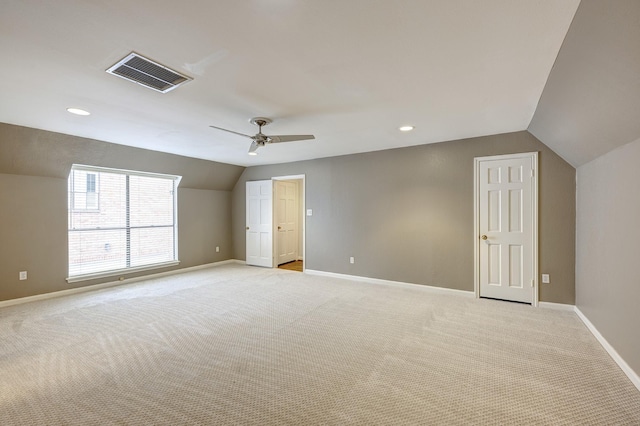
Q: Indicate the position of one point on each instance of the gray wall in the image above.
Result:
(34, 166)
(32, 152)
(608, 236)
(407, 214)
(590, 103)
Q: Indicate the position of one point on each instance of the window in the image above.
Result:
(91, 182)
(83, 190)
(120, 221)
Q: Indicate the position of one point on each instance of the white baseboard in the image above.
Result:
(429, 288)
(83, 289)
(632, 375)
(557, 306)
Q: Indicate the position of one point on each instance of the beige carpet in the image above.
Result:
(252, 346)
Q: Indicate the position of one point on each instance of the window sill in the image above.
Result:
(120, 272)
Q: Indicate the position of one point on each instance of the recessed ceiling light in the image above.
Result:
(78, 111)
(406, 128)
(253, 153)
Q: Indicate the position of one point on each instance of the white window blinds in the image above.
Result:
(120, 221)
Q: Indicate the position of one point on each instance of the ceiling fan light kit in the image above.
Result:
(260, 139)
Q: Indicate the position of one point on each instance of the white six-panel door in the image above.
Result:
(259, 223)
(286, 212)
(506, 229)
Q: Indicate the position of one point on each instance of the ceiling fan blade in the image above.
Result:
(289, 138)
(254, 147)
(231, 131)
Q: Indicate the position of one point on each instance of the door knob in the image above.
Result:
(247, 228)
(484, 237)
(279, 228)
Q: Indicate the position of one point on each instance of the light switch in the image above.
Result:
(545, 278)
(309, 212)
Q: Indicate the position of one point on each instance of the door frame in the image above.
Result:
(534, 217)
(301, 226)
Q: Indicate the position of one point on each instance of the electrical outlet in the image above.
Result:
(217, 249)
(23, 275)
(352, 260)
(545, 278)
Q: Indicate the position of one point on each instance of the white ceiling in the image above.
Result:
(349, 72)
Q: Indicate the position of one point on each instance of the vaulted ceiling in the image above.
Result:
(349, 72)
(591, 103)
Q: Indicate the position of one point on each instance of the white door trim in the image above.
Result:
(476, 218)
(302, 226)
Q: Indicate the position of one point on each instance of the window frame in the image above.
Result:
(131, 269)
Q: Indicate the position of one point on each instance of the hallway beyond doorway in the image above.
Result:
(296, 265)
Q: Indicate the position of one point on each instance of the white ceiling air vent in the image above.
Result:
(150, 74)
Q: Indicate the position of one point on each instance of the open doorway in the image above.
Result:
(288, 222)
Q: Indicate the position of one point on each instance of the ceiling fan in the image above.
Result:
(260, 139)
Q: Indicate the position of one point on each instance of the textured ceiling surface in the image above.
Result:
(348, 72)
